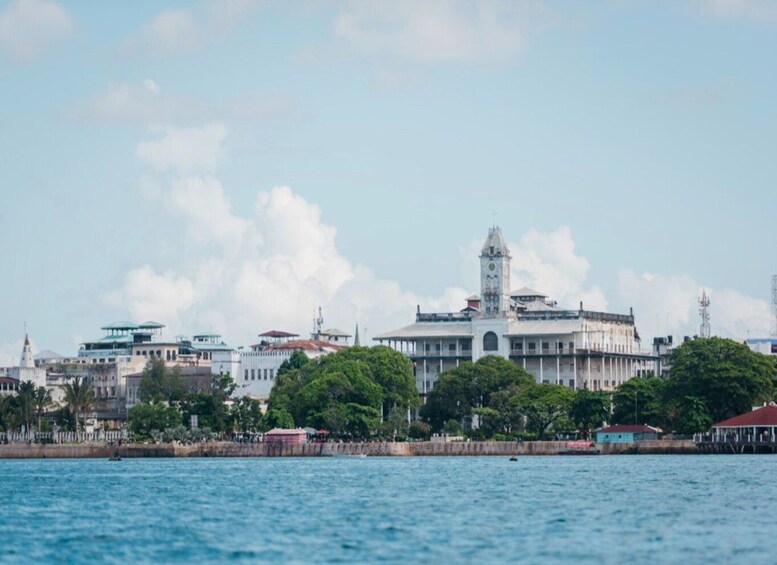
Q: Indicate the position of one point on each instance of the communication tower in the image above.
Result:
(704, 310)
(774, 305)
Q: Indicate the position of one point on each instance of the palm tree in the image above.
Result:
(25, 403)
(79, 398)
(42, 401)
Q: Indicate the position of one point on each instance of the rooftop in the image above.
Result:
(764, 416)
(629, 429)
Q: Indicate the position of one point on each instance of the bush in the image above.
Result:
(419, 430)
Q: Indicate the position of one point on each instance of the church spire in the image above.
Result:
(356, 336)
(27, 359)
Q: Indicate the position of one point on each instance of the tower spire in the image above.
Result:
(356, 336)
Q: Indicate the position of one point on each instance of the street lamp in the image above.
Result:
(636, 405)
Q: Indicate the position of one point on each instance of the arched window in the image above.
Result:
(490, 342)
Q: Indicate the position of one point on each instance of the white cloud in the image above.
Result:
(668, 304)
(437, 30)
(151, 296)
(185, 149)
(178, 32)
(760, 11)
(28, 28)
(208, 211)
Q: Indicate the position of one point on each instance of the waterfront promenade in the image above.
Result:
(421, 448)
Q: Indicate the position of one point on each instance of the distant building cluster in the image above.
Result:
(576, 348)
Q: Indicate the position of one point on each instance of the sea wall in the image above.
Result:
(422, 448)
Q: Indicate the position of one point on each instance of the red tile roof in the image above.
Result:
(308, 345)
(629, 429)
(765, 416)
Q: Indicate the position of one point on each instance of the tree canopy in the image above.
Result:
(727, 377)
(346, 392)
(484, 384)
(543, 404)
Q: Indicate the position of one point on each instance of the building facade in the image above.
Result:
(575, 348)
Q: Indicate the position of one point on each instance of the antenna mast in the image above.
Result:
(774, 305)
(704, 310)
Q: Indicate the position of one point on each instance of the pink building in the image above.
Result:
(286, 437)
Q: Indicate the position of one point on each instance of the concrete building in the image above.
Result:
(125, 349)
(576, 348)
(254, 369)
(623, 433)
(195, 379)
(767, 346)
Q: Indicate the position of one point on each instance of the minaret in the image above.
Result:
(26, 360)
(356, 337)
(495, 274)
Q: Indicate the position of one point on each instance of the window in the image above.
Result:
(272, 374)
(532, 346)
(545, 346)
(571, 383)
(490, 342)
(159, 353)
(253, 375)
(571, 345)
(246, 375)
(437, 347)
(518, 345)
(560, 345)
(466, 345)
(168, 354)
(452, 347)
(426, 347)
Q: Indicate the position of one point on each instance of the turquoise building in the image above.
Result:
(621, 433)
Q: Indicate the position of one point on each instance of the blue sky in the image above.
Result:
(230, 166)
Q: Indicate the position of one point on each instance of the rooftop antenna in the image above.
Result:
(704, 311)
(774, 305)
(318, 323)
(493, 219)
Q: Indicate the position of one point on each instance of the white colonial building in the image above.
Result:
(575, 348)
(254, 369)
(26, 370)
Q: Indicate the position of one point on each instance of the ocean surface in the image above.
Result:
(605, 509)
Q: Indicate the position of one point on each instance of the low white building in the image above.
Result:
(26, 370)
(575, 348)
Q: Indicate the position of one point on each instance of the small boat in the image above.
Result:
(114, 458)
(513, 458)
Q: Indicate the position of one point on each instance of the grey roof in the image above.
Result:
(430, 329)
(496, 241)
(526, 291)
(333, 332)
(46, 355)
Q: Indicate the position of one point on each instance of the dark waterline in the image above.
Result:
(614, 509)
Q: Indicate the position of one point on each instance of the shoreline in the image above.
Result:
(374, 449)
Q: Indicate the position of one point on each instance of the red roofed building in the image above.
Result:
(758, 422)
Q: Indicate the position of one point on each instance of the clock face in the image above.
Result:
(491, 266)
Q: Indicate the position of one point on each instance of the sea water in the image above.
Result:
(586, 509)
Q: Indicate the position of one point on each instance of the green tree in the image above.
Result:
(146, 418)
(419, 430)
(543, 404)
(42, 402)
(640, 401)
(475, 385)
(452, 428)
(210, 407)
(724, 375)
(297, 360)
(392, 371)
(79, 399)
(160, 383)
(24, 402)
(278, 418)
(590, 409)
(246, 415)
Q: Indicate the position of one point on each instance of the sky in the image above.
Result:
(231, 166)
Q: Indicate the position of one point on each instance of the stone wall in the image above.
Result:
(424, 448)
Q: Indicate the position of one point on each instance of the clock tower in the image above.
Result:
(495, 274)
